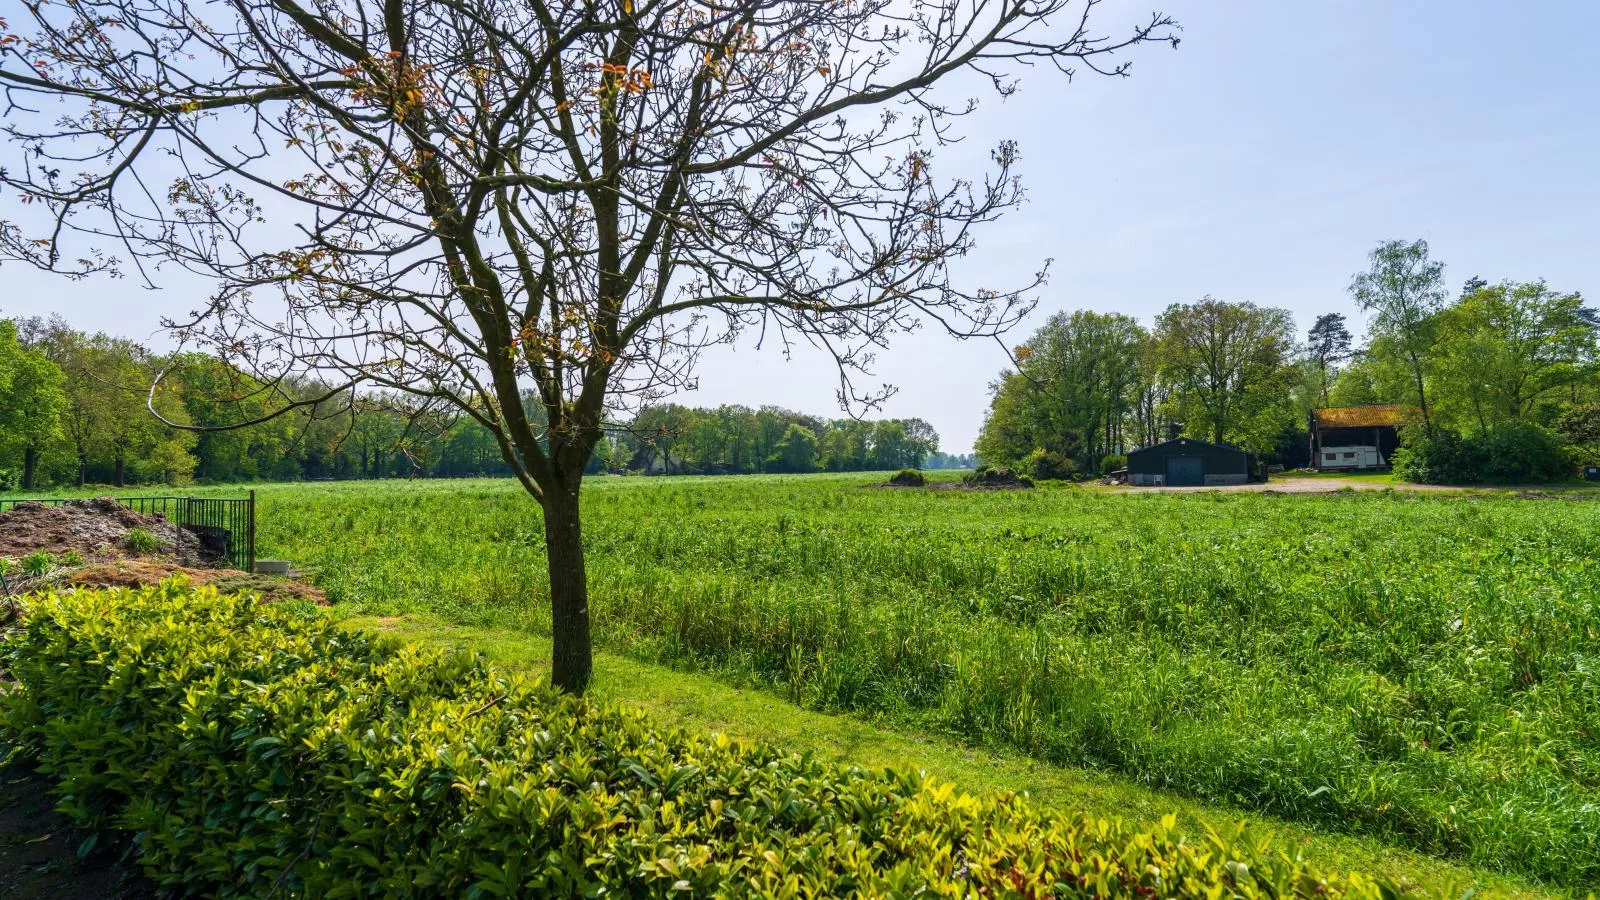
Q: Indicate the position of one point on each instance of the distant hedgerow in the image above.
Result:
(253, 752)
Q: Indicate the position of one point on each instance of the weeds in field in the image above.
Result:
(1421, 668)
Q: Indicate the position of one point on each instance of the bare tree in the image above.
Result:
(475, 202)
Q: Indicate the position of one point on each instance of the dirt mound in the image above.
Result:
(908, 478)
(87, 527)
(98, 529)
(997, 478)
(127, 573)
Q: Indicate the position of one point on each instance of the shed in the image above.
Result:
(1186, 462)
(1357, 437)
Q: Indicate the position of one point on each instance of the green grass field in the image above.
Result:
(1419, 671)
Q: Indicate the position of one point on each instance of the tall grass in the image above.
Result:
(1424, 668)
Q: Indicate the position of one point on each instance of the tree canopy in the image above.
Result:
(486, 206)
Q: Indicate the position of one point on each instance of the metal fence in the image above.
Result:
(207, 529)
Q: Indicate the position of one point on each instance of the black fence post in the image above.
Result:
(251, 531)
(181, 522)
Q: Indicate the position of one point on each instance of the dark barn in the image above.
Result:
(1184, 462)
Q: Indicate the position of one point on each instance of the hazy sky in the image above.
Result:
(1259, 161)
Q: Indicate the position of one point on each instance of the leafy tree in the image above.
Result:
(121, 371)
(32, 401)
(1402, 289)
(1017, 425)
(1505, 349)
(576, 196)
(1579, 426)
(1227, 365)
(949, 461)
(796, 451)
(215, 394)
(845, 445)
(1074, 387)
(1328, 344)
(106, 391)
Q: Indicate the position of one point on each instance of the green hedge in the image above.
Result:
(1512, 453)
(252, 751)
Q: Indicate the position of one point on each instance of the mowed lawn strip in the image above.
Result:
(706, 704)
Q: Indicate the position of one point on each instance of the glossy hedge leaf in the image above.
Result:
(253, 752)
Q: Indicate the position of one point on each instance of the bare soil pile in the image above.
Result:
(98, 530)
(88, 527)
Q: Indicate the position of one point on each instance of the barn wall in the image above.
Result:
(1147, 466)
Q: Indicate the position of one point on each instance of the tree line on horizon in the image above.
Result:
(732, 440)
(75, 409)
(1510, 369)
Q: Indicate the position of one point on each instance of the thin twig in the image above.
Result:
(486, 706)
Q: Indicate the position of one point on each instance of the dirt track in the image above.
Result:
(1292, 485)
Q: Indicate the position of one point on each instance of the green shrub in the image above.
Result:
(37, 563)
(996, 476)
(1112, 462)
(1524, 452)
(1509, 453)
(909, 478)
(252, 752)
(140, 542)
(1048, 465)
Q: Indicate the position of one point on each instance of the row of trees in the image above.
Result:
(74, 408)
(77, 408)
(737, 440)
(1088, 386)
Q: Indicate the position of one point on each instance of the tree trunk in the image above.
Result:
(30, 466)
(1422, 395)
(572, 661)
(121, 471)
(83, 465)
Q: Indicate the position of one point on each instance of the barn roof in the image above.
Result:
(1186, 442)
(1369, 415)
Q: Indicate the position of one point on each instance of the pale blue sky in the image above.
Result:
(1259, 161)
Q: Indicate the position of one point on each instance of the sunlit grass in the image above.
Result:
(1421, 668)
(704, 704)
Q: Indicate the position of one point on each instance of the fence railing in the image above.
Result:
(208, 529)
